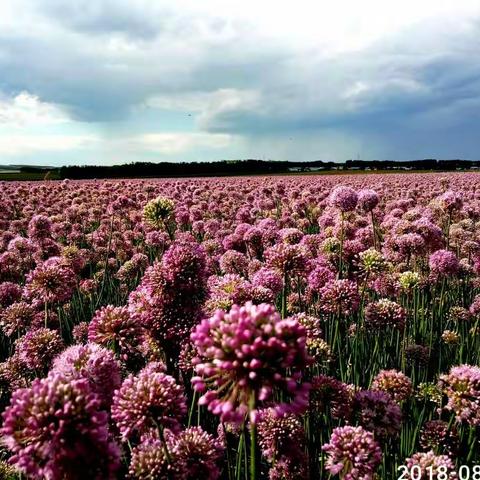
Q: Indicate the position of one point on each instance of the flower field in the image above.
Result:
(281, 328)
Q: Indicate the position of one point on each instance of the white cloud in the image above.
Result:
(173, 143)
(26, 109)
(17, 145)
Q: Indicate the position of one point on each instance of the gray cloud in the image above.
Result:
(102, 61)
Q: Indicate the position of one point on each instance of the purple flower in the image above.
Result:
(384, 313)
(462, 388)
(39, 227)
(150, 461)
(234, 262)
(245, 355)
(395, 383)
(343, 198)
(16, 318)
(280, 436)
(451, 201)
(287, 259)
(9, 293)
(443, 263)
(340, 297)
(198, 453)
(14, 374)
(268, 278)
(319, 277)
(55, 429)
(429, 466)
(51, 283)
(352, 453)
(367, 200)
(114, 328)
(475, 306)
(80, 333)
(437, 434)
(94, 363)
(37, 348)
(148, 401)
(168, 301)
(330, 395)
(377, 412)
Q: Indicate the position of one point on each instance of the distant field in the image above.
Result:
(6, 175)
(12, 176)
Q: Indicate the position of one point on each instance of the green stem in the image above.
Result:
(253, 442)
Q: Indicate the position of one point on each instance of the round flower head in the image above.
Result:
(287, 259)
(80, 333)
(317, 347)
(331, 396)
(234, 262)
(146, 402)
(352, 453)
(475, 306)
(268, 278)
(343, 198)
(451, 201)
(16, 318)
(443, 263)
(245, 355)
(417, 354)
(339, 296)
(319, 277)
(14, 374)
(450, 337)
(198, 452)
(367, 200)
(439, 435)
(395, 383)
(37, 348)
(371, 261)
(51, 283)
(291, 468)
(377, 412)
(462, 388)
(39, 227)
(169, 300)
(114, 328)
(158, 212)
(432, 466)
(290, 235)
(409, 280)
(384, 313)
(150, 461)
(56, 430)
(459, 314)
(9, 293)
(279, 436)
(94, 363)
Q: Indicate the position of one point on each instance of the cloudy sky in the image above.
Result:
(113, 81)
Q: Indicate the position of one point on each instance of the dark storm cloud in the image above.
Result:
(103, 60)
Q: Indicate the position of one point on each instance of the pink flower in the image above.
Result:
(344, 198)
(148, 401)
(56, 430)
(245, 355)
(443, 263)
(352, 453)
(462, 387)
